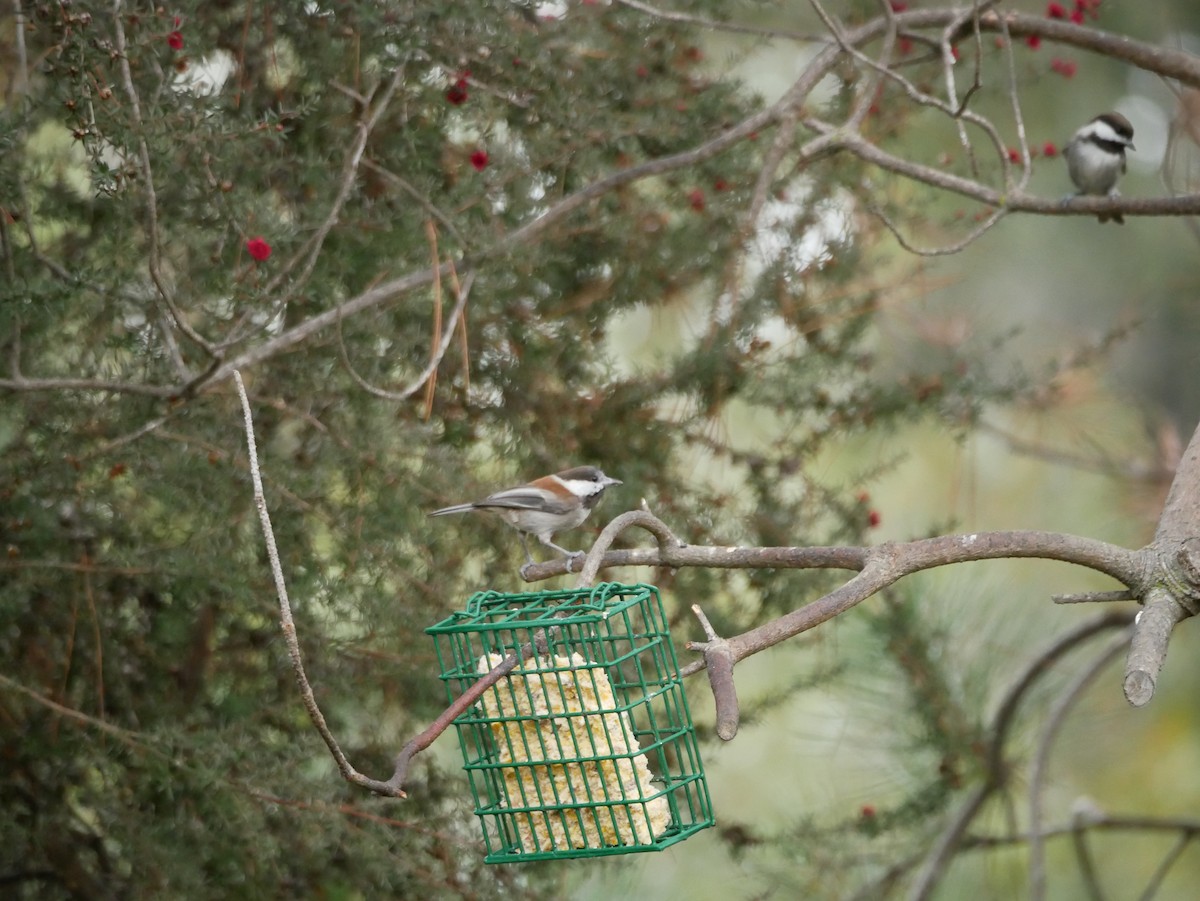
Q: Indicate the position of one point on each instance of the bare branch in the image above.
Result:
(1164, 866)
(372, 297)
(20, 383)
(1015, 101)
(1037, 776)
(154, 255)
(429, 207)
(947, 249)
(944, 849)
(1083, 854)
(1148, 650)
(1169, 63)
(132, 739)
(718, 662)
(1176, 595)
(1089, 821)
(641, 518)
(996, 772)
(714, 25)
(1018, 200)
(287, 623)
(878, 567)
(1164, 61)
(1179, 527)
(716, 558)
(460, 705)
(312, 247)
(1094, 597)
(440, 348)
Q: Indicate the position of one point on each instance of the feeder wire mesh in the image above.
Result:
(587, 747)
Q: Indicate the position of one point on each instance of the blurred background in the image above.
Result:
(801, 381)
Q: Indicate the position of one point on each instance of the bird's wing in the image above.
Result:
(525, 497)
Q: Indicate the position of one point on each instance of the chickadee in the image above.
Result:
(545, 506)
(1096, 157)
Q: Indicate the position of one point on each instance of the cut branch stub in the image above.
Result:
(718, 662)
(1148, 649)
(1176, 592)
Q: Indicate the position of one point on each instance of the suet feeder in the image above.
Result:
(587, 747)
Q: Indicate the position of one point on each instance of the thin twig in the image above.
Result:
(432, 209)
(1037, 776)
(463, 703)
(443, 344)
(714, 25)
(311, 250)
(438, 336)
(1092, 821)
(20, 383)
(718, 662)
(944, 848)
(946, 53)
(132, 739)
(995, 772)
(287, 623)
(1083, 854)
(1164, 866)
(1094, 597)
(958, 246)
(154, 255)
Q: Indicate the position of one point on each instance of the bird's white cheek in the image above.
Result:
(583, 487)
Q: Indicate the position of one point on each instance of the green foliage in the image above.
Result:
(153, 738)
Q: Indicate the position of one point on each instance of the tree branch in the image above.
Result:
(950, 21)
(1176, 594)
(878, 567)
(1037, 775)
(1148, 649)
(995, 769)
(718, 662)
(154, 255)
(288, 625)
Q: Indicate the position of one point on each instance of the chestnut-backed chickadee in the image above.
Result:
(1096, 157)
(545, 506)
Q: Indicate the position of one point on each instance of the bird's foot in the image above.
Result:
(574, 557)
(1114, 194)
(524, 570)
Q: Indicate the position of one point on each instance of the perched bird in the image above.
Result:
(1096, 157)
(545, 506)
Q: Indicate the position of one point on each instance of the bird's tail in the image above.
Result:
(457, 508)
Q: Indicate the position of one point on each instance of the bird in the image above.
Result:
(540, 508)
(1096, 157)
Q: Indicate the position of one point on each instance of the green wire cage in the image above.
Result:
(587, 747)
